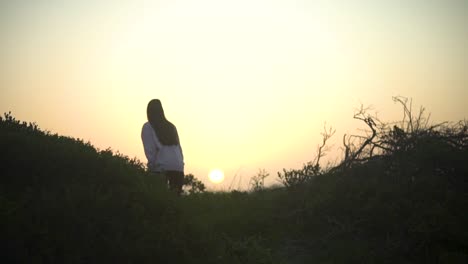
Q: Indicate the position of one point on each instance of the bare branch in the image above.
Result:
(326, 135)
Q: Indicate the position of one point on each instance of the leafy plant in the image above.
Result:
(257, 182)
(386, 139)
(192, 185)
(297, 177)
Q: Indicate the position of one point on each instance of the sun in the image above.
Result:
(216, 176)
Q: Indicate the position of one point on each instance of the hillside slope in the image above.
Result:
(63, 201)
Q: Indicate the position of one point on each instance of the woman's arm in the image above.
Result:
(180, 145)
(149, 145)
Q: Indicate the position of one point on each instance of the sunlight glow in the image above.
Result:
(216, 176)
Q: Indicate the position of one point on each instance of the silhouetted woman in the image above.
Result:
(162, 146)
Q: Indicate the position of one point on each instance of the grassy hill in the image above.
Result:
(63, 201)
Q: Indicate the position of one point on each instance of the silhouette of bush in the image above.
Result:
(297, 177)
(257, 182)
(192, 185)
(412, 133)
(397, 196)
(62, 200)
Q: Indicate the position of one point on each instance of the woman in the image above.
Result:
(162, 146)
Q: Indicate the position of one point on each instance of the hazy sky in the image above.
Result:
(248, 83)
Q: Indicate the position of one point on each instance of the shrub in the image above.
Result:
(257, 182)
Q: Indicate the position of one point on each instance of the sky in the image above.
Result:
(248, 83)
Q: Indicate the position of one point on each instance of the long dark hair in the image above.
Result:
(165, 130)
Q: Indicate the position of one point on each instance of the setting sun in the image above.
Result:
(216, 176)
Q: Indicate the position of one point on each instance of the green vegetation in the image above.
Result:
(400, 195)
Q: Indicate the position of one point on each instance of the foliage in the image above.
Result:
(62, 200)
(397, 196)
(192, 185)
(248, 250)
(394, 139)
(298, 177)
(257, 182)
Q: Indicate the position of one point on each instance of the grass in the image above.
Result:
(63, 201)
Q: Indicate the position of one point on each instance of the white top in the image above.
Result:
(160, 157)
